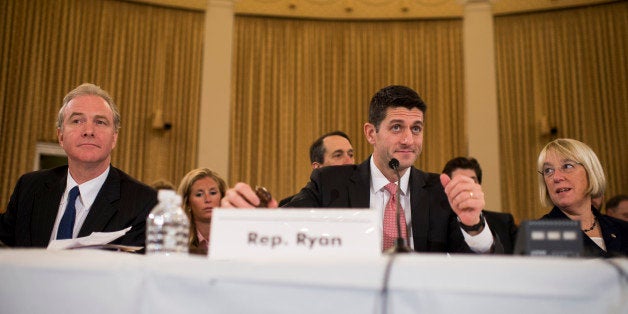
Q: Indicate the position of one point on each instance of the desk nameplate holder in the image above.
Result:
(294, 233)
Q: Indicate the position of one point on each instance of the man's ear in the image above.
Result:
(369, 132)
(316, 165)
(60, 137)
(115, 140)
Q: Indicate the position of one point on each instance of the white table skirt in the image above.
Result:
(92, 282)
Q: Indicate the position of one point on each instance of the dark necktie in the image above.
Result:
(66, 226)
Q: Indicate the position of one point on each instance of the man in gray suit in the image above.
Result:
(88, 195)
(442, 213)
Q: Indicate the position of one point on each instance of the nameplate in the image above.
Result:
(293, 233)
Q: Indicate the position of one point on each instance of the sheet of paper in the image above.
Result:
(99, 239)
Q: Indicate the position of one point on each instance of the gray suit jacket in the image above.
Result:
(30, 216)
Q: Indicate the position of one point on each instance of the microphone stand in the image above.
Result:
(400, 243)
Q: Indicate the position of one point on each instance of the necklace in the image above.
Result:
(592, 226)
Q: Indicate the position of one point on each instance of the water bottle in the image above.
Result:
(168, 227)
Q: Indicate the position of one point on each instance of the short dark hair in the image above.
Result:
(393, 96)
(463, 163)
(613, 203)
(317, 150)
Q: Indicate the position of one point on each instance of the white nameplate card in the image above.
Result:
(293, 233)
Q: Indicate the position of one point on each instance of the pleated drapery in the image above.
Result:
(567, 70)
(148, 58)
(297, 79)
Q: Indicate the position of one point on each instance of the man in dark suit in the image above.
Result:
(88, 195)
(331, 149)
(395, 129)
(502, 225)
(617, 207)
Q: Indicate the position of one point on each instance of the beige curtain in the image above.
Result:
(297, 79)
(566, 69)
(148, 58)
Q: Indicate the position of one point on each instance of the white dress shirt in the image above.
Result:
(380, 196)
(480, 243)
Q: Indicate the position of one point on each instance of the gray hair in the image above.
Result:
(89, 89)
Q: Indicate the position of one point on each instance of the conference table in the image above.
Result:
(95, 281)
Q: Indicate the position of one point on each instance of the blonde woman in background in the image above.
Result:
(201, 191)
(570, 177)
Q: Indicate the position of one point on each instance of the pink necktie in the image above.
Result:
(390, 218)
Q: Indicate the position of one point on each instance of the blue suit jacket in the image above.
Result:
(30, 216)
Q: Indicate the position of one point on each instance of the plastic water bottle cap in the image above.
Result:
(165, 195)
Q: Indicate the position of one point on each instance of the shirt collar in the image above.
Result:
(202, 242)
(89, 189)
(378, 180)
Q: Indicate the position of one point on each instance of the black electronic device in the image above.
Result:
(550, 237)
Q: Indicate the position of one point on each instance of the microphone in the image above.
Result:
(400, 243)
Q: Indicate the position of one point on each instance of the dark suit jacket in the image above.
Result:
(504, 230)
(285, 201)
(614, 233)
(121, 202)
(434, 224)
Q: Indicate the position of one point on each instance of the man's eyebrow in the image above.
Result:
(402, 121)
(101, 117)
(75, 114)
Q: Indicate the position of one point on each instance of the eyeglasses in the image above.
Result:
(567, 167)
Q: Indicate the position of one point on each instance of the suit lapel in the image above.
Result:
(609, 234)
(46, 207)
(359, 191)
(420, 209)
(103, 209)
